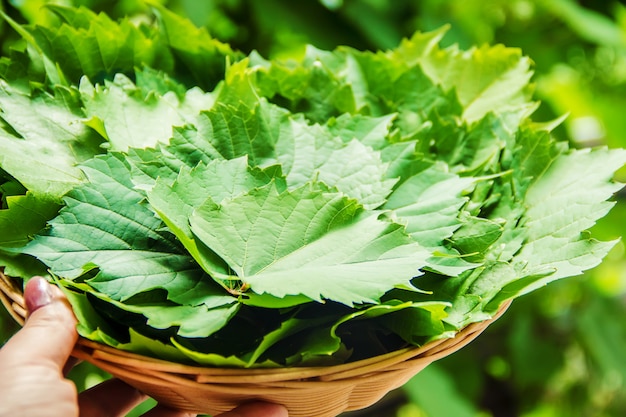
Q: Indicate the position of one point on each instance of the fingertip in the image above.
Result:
(47, 308)
(37, 294)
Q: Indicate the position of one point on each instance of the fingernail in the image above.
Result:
(37, 294)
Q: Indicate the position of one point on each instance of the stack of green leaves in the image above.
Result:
(203, 206)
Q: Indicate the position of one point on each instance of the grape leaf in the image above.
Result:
(106, 225)
(218, 180)
(429, 203)
(307, 242)
(486, 79)
(312, 153)
(200, 59)
(24, 216)
(45, 131)
(559, 242)
(188, 321)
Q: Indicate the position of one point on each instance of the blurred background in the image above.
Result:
(560, 351)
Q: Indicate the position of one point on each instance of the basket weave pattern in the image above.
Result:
(305, 391)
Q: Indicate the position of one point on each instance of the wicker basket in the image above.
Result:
(312, 391)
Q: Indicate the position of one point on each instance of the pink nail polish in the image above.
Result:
(37, 294)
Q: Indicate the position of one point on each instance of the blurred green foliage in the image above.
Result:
(560, 351)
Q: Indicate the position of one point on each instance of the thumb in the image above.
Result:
(49, 334)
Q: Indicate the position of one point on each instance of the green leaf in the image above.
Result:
(130, 117)
(143, 345)
(224, 132)
(189, 321)
(309, 153)
(150, 80)
(474, 149)
(106, 225)
(43, 64)
(307, 242)
(429, 202)
(486, 79)
(287, 328)
(20, 265)
(25, 216)
(192, 321)
(416, 323)
(91, 324)
(83, 43)
(319, 348)
(323, 85)
(200, 59)
(215, 359)
(370, 131)
(316, 86)
(408, 91)
(535, 152)
(44, 131)
(476, 236)
(579, 182)
(219, 180)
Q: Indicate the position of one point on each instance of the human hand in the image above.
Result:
(33, 361)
